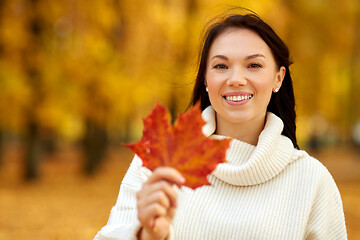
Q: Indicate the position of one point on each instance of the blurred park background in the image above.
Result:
(78, 76)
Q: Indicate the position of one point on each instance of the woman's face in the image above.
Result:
(241, 75)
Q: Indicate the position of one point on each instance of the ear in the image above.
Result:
(280, 75)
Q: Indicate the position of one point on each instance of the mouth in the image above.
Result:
(238, 98)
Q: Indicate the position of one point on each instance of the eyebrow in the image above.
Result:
(255, 56)
(220, 56)
(247, 57)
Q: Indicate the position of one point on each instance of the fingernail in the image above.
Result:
(181, 179)
(154, 228)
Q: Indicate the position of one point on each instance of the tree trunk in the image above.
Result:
(32, 138)
(32, 152)
(94, 146)
(1, 148)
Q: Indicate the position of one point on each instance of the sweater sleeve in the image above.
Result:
(326, 220)
(123, 222)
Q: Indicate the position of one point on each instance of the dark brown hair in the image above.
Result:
(281, 103)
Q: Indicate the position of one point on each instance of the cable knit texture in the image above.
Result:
(268, 191)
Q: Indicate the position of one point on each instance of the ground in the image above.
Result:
(64, 204)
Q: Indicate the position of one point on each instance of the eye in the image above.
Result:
(254, 65)
(220, 66)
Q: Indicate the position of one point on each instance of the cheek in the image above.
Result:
(213, 80)
(214, 88)
(265, 84)
(266, 93)
(264, 89)
(210, 81)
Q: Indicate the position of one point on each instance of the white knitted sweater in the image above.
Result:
(268, 191)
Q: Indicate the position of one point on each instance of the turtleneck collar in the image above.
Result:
(247, 164)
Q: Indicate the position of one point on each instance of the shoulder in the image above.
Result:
(311, 168)
(302, 158)
(326, 219)
(314, 179)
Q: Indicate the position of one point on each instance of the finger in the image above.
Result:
(169, 174)
(156, 192)
(158, 196)
(148, 214)
(154, 228)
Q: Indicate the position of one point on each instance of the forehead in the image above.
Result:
(239, 42)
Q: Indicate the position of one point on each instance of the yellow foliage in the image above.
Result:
(15, 97)
(108, 61)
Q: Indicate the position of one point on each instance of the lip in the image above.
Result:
(238, 93)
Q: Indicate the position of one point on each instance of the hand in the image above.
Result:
(156, 203)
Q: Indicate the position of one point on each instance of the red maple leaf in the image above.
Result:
(182, 146)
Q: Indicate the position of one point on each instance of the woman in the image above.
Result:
(267, 189)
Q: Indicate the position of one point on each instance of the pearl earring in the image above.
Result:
(276, 90)
(207, 89)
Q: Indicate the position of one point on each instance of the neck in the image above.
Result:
(247, 131)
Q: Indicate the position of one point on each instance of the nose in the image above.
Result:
(236, 79)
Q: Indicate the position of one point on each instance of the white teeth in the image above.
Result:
(238, 98)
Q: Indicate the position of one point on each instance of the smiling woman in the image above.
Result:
(267, 188)
(271, 49)
(241, 75)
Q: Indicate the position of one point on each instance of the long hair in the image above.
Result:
(281, 103)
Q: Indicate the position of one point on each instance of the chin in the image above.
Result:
(237, 118)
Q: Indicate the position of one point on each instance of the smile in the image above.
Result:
(238, 98)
